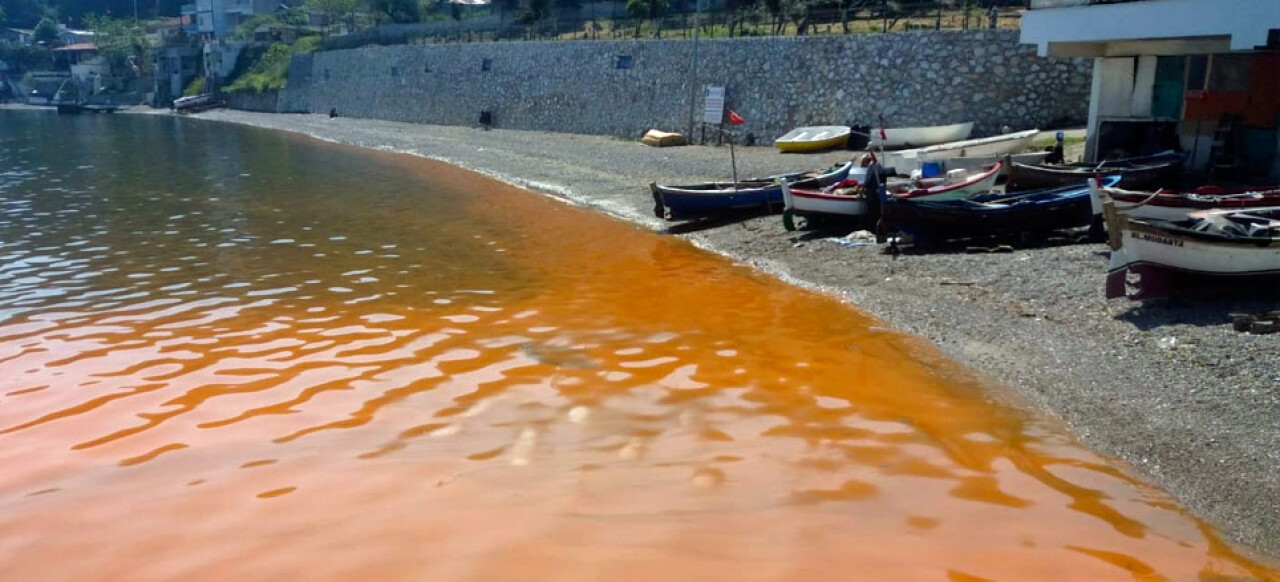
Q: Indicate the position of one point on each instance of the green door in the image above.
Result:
(1167, 100)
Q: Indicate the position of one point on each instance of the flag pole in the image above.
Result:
(733, 160)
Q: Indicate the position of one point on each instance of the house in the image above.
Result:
(175, 67)
(218, 19)
(70, 36)
(1202, 75)
(15, 36)
(87, 66)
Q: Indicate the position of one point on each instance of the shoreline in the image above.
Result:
(1195, 414)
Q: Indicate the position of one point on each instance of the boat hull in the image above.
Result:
(812, 139)
(989, 147)
(704, 200)
(1145, 173)
(1153, 262)
(917, 137)
(802, 201)
(1043, 211)
(1173, 206)
(978, 184)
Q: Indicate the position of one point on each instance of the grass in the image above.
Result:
(1066, 142)
(270, 71)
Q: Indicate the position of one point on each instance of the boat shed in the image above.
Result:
(1202, 75)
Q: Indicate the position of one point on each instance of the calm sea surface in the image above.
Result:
(229, 354)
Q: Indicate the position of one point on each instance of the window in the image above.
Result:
(486, 65)
(1197, 72)
(326, 74)
(1230, 73)
(395, 72)
(623, 62)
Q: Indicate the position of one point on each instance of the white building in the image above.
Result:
(218, 19)
(1200, 74)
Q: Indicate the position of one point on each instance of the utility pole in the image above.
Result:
(693, 68)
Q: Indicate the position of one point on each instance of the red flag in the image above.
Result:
(883, 137)
(734, 118)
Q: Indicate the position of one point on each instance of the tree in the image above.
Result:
(642, 10)
(399, 11)
(3, 18)
(122, 42)
(505, 6)
(46, 33)
(344, 10)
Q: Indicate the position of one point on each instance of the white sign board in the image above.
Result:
(713, 110)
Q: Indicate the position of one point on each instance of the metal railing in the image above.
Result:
(879, 16)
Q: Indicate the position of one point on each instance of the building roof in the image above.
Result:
(78, 47)
(176, 21)
(1093, 29)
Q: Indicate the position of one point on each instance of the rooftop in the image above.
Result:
(78, 47)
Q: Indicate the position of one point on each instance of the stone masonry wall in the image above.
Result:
(776, 83)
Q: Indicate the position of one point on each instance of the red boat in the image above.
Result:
(1161, 205)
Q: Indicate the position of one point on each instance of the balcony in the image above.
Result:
(239, 7)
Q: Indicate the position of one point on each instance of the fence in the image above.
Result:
(855, 17)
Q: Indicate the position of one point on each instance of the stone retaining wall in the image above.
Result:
(776, 83)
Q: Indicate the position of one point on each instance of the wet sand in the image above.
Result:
(1166, 386)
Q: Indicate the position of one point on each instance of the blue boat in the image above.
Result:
(710, 199)
(990, 214)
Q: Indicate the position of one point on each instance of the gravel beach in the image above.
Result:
(1167, 386)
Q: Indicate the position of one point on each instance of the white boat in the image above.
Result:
(954, 185)
(1155, 257)
(906, 161)
(916, 137)
(845, 198)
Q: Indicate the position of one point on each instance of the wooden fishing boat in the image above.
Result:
(1137, 173)
(904, 161)
(701, 200)
(1235, 250)
(812, 139)
(1161, 205)
(955, 185)
(810, 200)
(917, 137)
(989, 214)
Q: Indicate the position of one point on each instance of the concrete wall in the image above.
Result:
(776, 83)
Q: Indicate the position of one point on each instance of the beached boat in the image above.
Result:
(906, 161)
(917, 137)
(809, 199)
(1216, 249)
(989, 214)
(812, 139)
(1162, 205)
(701, 200)
(1137, 173)
(954, 185)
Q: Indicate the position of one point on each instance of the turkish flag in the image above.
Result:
(735, 119)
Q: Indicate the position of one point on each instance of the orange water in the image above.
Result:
(285, 360)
